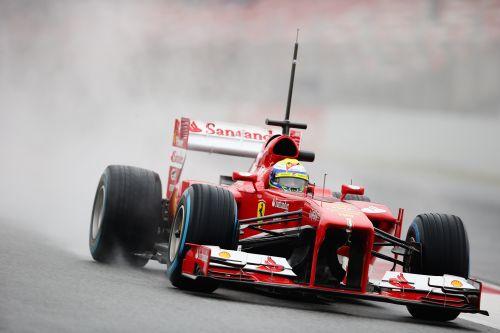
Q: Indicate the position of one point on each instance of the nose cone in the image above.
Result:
(344, 215)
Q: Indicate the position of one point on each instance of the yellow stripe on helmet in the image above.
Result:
(292, 175)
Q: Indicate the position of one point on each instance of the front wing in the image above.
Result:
(449, 292)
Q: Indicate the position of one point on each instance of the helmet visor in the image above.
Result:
(292, 184)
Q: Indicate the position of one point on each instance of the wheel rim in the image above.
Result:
(176, 233)
(409, 261)
(98, 211)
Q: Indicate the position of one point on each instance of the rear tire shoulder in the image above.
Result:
(131, 216)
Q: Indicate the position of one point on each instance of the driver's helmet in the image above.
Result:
(289, 175)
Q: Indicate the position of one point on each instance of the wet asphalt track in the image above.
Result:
(46, 288)
(47, 285)
(86, 84)
(55, 291)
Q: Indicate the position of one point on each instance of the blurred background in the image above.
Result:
(402, 97)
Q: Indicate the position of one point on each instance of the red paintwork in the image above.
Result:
(320, 211)
(271, 266)
(400, 282)
(405, 294)
(196, 257)
(196, 262)
(351, 189)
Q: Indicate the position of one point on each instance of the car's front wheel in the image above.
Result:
(445, 250)
(206, 215)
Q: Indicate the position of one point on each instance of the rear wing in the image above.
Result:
(218, 138)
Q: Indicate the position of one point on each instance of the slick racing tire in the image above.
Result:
(445, 250)
(126, 215)
(206, 215)
(354, 197)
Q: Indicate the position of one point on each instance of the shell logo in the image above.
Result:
(224, 255)
(456, 284)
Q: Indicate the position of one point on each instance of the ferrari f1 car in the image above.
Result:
(244, 231)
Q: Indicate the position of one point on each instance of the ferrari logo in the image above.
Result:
(401, 282)
(291, 164)
(271, 266)
(261, 208)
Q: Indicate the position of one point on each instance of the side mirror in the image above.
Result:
(351, 189)
(244, 176)
(310, 189)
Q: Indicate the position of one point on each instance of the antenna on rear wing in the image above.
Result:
(286, 124)
(292, 78)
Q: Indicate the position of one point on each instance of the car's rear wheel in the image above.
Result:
(126, 215)
(206, 215)
(445, 250)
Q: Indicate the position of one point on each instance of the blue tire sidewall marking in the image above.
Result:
(172, 267)
(417, 235)
(236, 231)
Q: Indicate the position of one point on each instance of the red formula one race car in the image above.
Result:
(271, 227)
